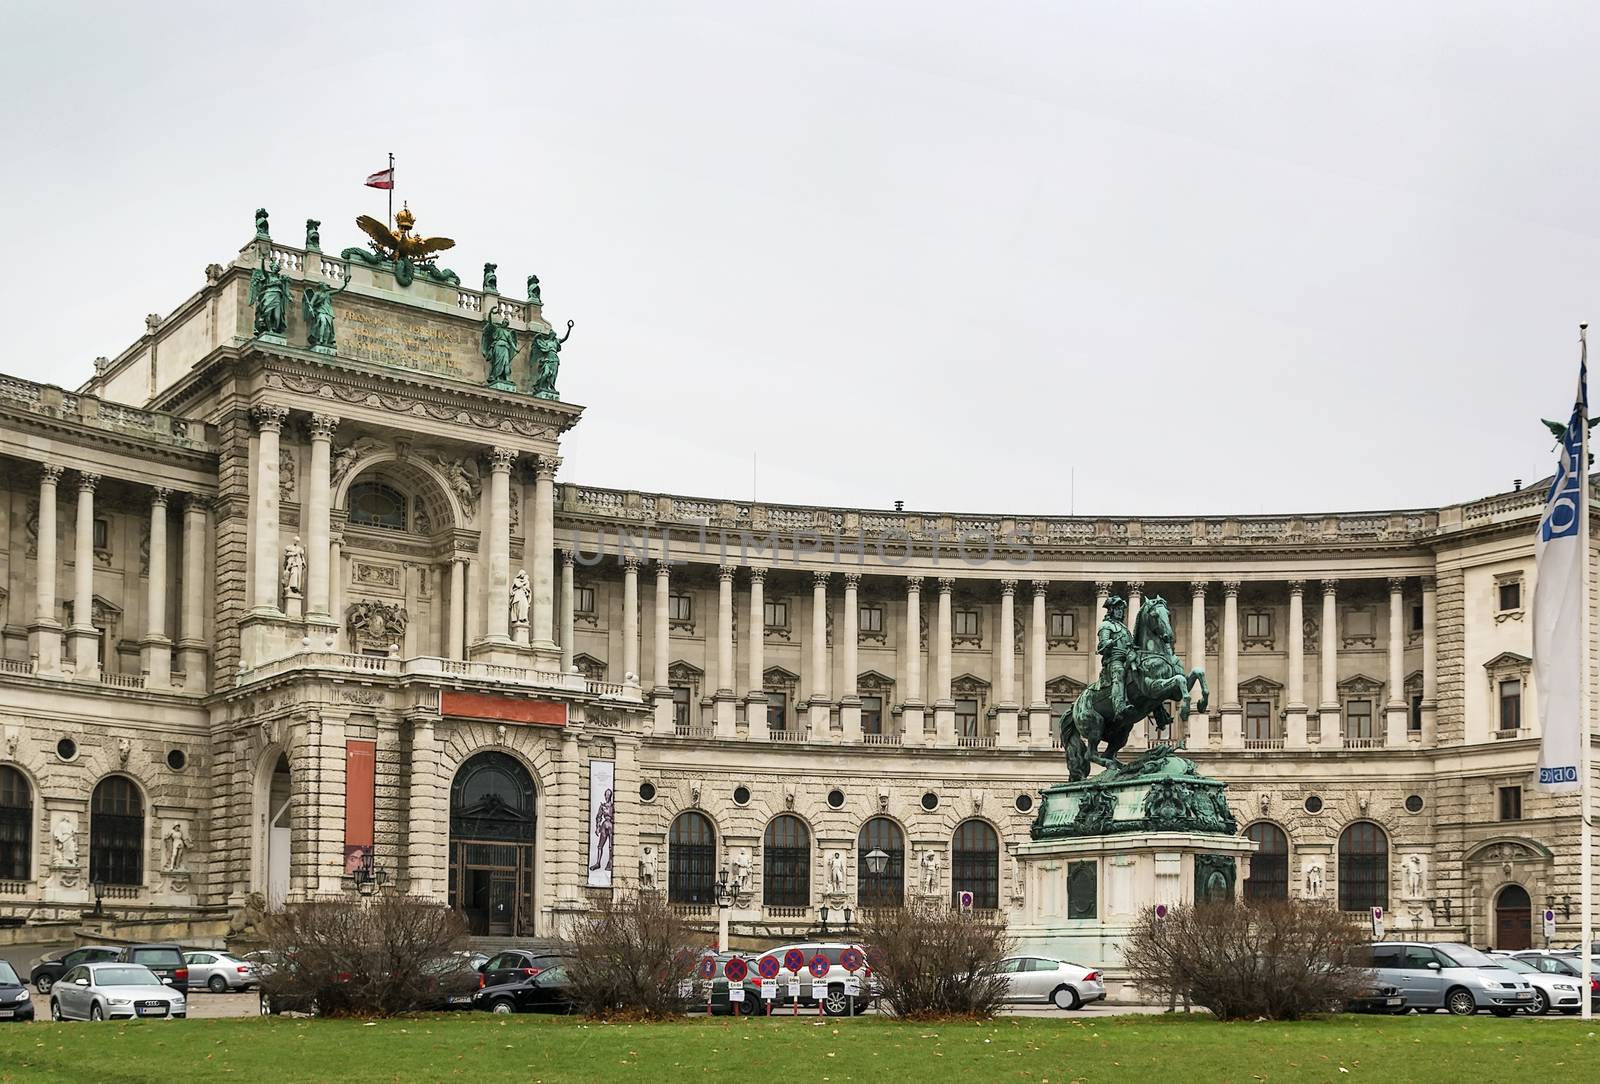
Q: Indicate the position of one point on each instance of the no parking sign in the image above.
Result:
(794, 960)
(851, 959)
(819, 966)
(767, 966)
(736, 969)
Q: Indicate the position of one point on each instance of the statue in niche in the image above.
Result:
(498, 345)
(294, 568)
(177, 844)
(65, 838)
(647, 869)
(548, 348)
(533, 291)
(316, 308)
(1412, 871)
(313, 235)
(930, 872)
(269, 293)
(1314, 882)
(521, 596)
(741, 871)
(836, 877)
(491, 281)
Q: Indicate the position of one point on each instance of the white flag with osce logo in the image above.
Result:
(1557, 615)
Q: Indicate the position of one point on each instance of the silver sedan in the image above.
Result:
(220, 972)
(114, 992)
(1055, 982)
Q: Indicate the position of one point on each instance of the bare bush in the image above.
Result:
(629, 953)
(388, 955)
(930, 963)
(1277, 960)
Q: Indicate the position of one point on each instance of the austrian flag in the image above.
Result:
(384, 178)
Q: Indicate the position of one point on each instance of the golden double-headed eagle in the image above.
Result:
(401, 244)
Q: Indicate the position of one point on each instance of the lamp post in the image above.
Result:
(99, 894)
(723, 890)
(822, 913)
(369, 878)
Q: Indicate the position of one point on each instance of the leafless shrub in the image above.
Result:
(388, 955)
(931, 963)
(629, 953)
(1278, 960)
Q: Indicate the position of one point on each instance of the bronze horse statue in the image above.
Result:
(1154, 676)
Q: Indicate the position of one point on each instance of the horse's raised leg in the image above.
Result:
(1198, 674)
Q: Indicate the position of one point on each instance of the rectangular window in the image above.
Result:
(680, 607)
(966, 718)
(1063, 625)
(1358, 720)
(1258, 720)
(775, 614)
(1416, 617)
(1511, 704)
(871, 618)
(102, 534)
(872, 715)
(1510, 593)
(777, 711)
(1057, 708)
(680, 705)
(964, 622)
(583, 600)
(1511, 803)
(1414, 719)
(1258, 626)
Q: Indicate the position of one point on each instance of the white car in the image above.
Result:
(1550, 991)
(113, 992)
(219, 971)
(1056, 982)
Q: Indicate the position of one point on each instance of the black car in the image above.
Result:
(514, 965)
(1381, 998)
(548, 991)
(14, 1001)
(165, 959)
(47, 969)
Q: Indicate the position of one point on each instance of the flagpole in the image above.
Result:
(391, 190)
(1585, 829)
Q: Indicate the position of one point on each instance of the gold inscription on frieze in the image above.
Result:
(388, 338)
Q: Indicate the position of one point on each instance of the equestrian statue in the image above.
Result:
(1140, 674)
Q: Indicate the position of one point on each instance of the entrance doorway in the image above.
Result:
(277, 878)
(1513, 919)
(492, 824)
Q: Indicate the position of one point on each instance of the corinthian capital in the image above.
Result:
(87, 480)
(322, 426)
(819, 579)
(269, 418)
(50, 474)
(547, 466)
(500, 459)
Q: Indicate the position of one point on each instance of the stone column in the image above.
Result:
(1102, 591)
(1135, 600)
(427, 818)
(456, 637)
(1005, 716)
(1232, 715)
(630, 619)
(1394, 711)
(1039, 722)
(817, 700)
(82, 634)
(1294, 732)
(44, 634)
(850, 696)
(155, 650)
(1199, 722)
(1430, 661)
(755, 700)
(568, 600)
(193, 647)
(723, 700)
(662, 693)
(336, 582)
(269, 423)
(543, 558)
(944, 709)
(1330, 726)
(911, 720)
(318, 552)
(497, 623)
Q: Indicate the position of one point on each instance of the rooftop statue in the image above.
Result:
(313, 235)
(269, 293)
(408, 253)
(533, 291)
(498, 344)
(316, 307)
(491, 281)
(548, 364)
(262, 233)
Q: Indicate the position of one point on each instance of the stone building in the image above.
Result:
(266, 631)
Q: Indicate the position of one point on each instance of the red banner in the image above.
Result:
(360, 793)
(502, 709)
(384, 178)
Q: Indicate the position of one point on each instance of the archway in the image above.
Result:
(492, 831)
(1513, 919)
(275, 874)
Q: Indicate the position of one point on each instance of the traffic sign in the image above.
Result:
(769, 988)
(767, 966)
(1549, 926)
(852, 986)
(819, 966)
(708, 967)
(966, 901)
(1161, 910)
(685, 987)
(735, 992)
(851, 959)
(736, 970)
(1377, 923)
(794, 960)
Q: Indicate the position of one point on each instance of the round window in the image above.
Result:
(1413, 803)
(930, 801)
(176, 760)
(741, 795)
(647, 791)
(66, 749)
(836, 798)
(1024, 802)
(1313, 804)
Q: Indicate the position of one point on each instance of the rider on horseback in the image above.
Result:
(1114, 643)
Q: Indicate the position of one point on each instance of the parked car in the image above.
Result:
(264, 961)
(1449, 976)
(1041, 979)
(165, 959)
(220, 972)
(1560, 992)
(513, 965)
(115, 991)
(713, 996)
(1378, 997)
(48, 969)
(1569, 967)
(14, 1001)
(548, 991)
(453, 981)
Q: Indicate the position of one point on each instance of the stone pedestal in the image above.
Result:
(912, 725)
(294, 607)
(519, 632)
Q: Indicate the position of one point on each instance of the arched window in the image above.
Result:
(116, 833)
(16, 826)
(880, 844)
(975, 865)
(1363, 867)
(691, 860)
(1269, 866)
(374, 504)
(786, 863)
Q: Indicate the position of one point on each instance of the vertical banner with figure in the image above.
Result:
(360, 792)
(602, 820)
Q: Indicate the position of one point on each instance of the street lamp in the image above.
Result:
(877, 861)
(99, 894)
(822, 913)
(369, 878)
(723, 891)
(848, 914)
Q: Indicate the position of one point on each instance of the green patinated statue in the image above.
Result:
(261, 225)
(316, 306)
(269, 293)
(533, 290)
(313, 235)
(498, 344)
(491, 281)
(548, 350)
(1138, 680)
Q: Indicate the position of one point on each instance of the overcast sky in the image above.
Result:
(1117, 258)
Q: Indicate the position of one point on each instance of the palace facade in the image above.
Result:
(265, 640)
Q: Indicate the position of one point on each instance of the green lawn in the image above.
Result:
(481, 1048)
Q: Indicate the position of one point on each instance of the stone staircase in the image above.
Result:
(492, 945)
